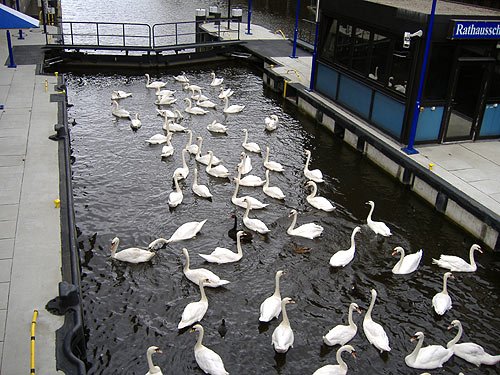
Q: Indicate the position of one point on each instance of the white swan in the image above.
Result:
(272, 165)
(170, 126)
(157, 139)
(193, 110)
(374, 76)
(205, 158)
(245, 164)
(216, 81)
(271, 123)
(135, 123)
(469, 351)
(196, 92)
(197, 274)
(341, 368)
(457, 264)
(154, 84)
(166, 113)
(195, 311)
(208, 360)
(343, 257)
(119, 94)
(153, 370)
(309, 230)
(342, 334)
(225, 93)
(192, 148)
(272, 191)
(254, 203)
(131, 255)
(378, 227)
(428, 358)
(314, 175)
(168, 149)
(250, 146)
(222, 255)
(176, 196)
(181, 78)
(321, 203)
(205, 104)
(160, 92)
(184, 232)
(253, 224)
(374, 332)
(233, 108)
(165, 100)
(200, 190)
(271, 307)
(282, 337)
(217, 171)
(442, 301)
(216, 127)
(119, 112)
(249, 180)
(407, 263)
(182, 172)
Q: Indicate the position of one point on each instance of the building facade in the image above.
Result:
(371, 54)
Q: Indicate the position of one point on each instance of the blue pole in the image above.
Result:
(315, 50)
(249, 17)
(12, 64)
(413, 130)
(296, 31)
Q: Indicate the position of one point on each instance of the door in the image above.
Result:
(467, 96)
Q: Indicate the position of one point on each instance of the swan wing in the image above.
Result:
(251, 180)
(321, 203)
(410, 263)
(193, 312)
(329, 370)
(209, 361)
(376, 335)
(134, 255)
(270, 308)
(274, 166)
(432, 356)
(256, 225)
(221, 255)
(274, 192)
(453, 263)
(282, 338)
(342, 258)
(474, 353)
(441, 303)
(309, 230)
(316, 175)
(175, 199)
(187, 231)
(202, 191)
(339, 335)
(255, 204)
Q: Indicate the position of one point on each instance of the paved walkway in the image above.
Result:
(30, 245)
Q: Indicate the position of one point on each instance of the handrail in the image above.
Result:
(32, 339)
(136, 36)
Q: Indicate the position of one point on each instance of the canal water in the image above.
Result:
(121, 188)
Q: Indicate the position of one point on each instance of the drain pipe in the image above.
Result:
(410, 150)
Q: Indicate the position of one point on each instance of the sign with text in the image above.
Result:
(469, 29)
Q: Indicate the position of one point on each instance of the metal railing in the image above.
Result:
(139, 36)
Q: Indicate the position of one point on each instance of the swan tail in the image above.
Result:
(490, 360)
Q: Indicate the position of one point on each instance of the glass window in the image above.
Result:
(494, 90)
(440, 63)
(380, 52)
(361, 50)
(344, 44)
(400, 68)
(326, 51)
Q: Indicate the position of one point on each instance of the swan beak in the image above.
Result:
(358, 310)
(479, 249)
(158, 350)
(452, 276)
(394, 253)
(353, 353)
(413, 338)
(450, 327)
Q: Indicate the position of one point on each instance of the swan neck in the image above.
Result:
(209, 166)
(186, 265)
(150, 362)
(113, 249)
(267, 155)
(349, 317)
(246, 137)
(177, 187)
(184, 165)
(266, 184)
(247, 211)
(353, 242)
(401, 258)
(285, 314)
(471, 257)
(202, 292)
(369, 312)
(314, 191)
(237, 187)
(445, 284)
(190, 139)
(307, 161)
(277, 292)
(195, 182)
(372, 207)
(226, 102)
(200, 338)
(415, 351)
(456, 338)
(238, 245)
(340, 361)
(294, 221)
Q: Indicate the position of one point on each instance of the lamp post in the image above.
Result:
(296, 31)
(315, 49)
(228, 14)
(249, 17)
(413, 130)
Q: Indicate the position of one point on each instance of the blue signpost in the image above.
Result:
(410, 150)
(296, 31)
(249, 17)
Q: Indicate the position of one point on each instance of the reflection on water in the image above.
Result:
(121, 188)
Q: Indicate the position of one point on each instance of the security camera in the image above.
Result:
(407, 37)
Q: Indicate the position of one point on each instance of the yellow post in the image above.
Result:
(57, 203)
(46, 85)
(32, 350)
(284, 88)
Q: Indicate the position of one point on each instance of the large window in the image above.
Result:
(344, 45)
(400, 68)
(361, 50)
(380, 51)
(327, 50)
(440, 63)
